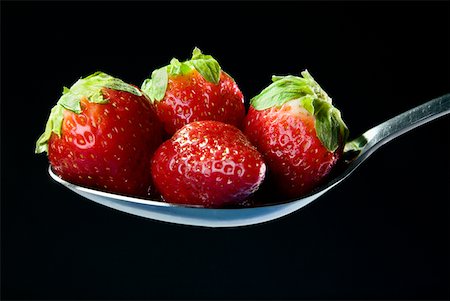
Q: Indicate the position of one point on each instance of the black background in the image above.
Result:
(382, 233)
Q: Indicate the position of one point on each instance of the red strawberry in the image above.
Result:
(207, 163)
(299, 132)
(194, 90)
(102, 134)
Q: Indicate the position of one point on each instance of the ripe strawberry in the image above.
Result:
(194, 90)
(207, 163)
(300, 134)
(102, 134)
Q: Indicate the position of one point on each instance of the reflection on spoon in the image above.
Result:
(356, 152)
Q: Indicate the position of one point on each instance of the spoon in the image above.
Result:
(355, 152)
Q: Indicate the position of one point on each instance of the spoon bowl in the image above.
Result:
(190, 215)
(355, 152)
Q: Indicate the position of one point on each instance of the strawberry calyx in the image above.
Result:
(208, 67)
(90, 88)
(330, 128)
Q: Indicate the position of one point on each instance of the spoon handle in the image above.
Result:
(371, 140)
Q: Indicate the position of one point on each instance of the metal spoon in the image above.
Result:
(356, 152)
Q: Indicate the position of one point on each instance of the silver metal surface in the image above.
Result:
(360, 149)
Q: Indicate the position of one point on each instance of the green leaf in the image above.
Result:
(119, 85)
(156, 87)
(146, 87)
(307, 102)
(97, 97)
(174, 68)
(282, 90)
(206, 65)
(70, 101)
(330, 128)
(356, 145)
(54, 124)
(197, 53)
(91, 87)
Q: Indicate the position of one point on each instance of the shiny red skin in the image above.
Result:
(207, 163)
(108, 146)
(287, 139)
(191, 98)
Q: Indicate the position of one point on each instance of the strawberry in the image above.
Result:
(102, 133)
(194, 90)
(299, 132)
(207, 163)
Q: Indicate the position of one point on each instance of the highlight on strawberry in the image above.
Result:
(209, 164)
(193, 90)
(102, 134)
(301, 135)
